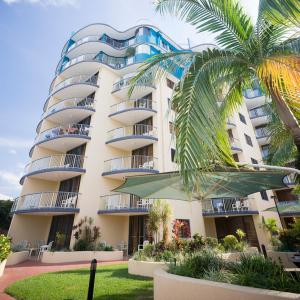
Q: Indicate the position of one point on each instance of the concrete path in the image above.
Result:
(30, 268)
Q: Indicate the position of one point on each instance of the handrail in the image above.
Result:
(126, 81)
(262, 132)
(137, 129)
(124, 202)
(68, 103)
(257, 112)
(39, 200)
(129, 104)
(72, 129)
(130, 162)
(55, 161)
(75, 80)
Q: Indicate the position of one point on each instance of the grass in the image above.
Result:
(112, 282)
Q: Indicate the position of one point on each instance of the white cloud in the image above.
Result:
(10, 178)
(5, 197)
(45, 2)
(15, 142)
(12, 151)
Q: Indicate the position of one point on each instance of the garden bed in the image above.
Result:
(15, 258)
(169, 286)
(145, 268)
(78, 256)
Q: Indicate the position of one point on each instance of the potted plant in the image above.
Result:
(4, 251)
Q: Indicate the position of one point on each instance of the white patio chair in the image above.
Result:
(44, 248)
(142, 246)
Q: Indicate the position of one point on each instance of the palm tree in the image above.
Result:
(247, 55)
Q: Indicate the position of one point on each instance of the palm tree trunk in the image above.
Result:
(289, 121)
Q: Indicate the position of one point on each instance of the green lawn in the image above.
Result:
(112, 282)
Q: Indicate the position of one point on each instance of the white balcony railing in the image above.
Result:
(257, 112)
(131, 162)
(235, 143)
(135, 130)
(73, 129)
(46, 200)
(55, 161)
(125, 82)
(90, 38)
(124, 202)
(69, 103)
(133, 104)
(85, 57)
(262, 132)
(227, 205)
(75, 80)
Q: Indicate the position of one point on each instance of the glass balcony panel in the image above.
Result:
(131, 104)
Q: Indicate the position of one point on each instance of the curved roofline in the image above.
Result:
(118, 31)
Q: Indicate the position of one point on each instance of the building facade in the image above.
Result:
(91, 136)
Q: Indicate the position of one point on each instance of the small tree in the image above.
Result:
(270, 225)
(5, 247)
(166, 213)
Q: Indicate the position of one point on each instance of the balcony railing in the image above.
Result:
(235, 143)
(91, 38)
(69, 103)
(257, 112)
(75, 80)
(253, 93)
(55, 161)
(126, 202)
(131, 162)
(262, 132)
(133, 104)
(126, 82)
(45, 200)
(227, 205)
(135, 130)
(73, 129)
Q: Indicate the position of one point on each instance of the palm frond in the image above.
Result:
(285, 12)
(225, 17)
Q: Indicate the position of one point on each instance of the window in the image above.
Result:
(255, 162)
(181, 228)
(248, 140)
(173, 152)
(265, 151)
(242, 118)
(170, 83)
(264, 195)
(171, 128)
(236, 157)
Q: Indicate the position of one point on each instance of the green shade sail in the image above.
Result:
(286, 207)
(217, 184)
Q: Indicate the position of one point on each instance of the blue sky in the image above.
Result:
(33, 33)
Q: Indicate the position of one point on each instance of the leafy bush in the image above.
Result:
(108, 248)
(148, 250)
(5, 247)
(290, 238)
(252, 270)
(211, 242)
(198, 264)
(197, 243)
(81, 245)
(230, 242)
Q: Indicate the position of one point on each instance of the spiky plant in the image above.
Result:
(264, 54)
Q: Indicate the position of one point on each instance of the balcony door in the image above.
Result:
(140, 156)
(137, 232)
(226, 226)
(63, 225)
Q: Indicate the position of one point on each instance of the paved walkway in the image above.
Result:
(30, 268)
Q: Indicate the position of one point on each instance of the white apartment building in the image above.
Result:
(91, 136)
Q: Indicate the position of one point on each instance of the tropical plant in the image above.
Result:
(241, 234)
(5, 247)
(60, 239)
(264, 55)
(290, 238)
(159, 216)
(270, 225)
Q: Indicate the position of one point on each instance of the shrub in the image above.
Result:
(81, 245)
(5, 247)
(290, 238)
(108, 248)
(230, 242)
(148, 250)
(198, 264)
(18, 248)
(197, 243)
(211, 242)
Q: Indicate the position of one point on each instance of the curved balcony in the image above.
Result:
(124, 204)
(77, 86)
(46, 203)
(262, 135)
(70, 110)
(132, 137)
(121, 167)
(258, 116)
(254, 98)
(133, 111)
(63, 138)
(55, 168)
(121, 88)
(235, 145)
